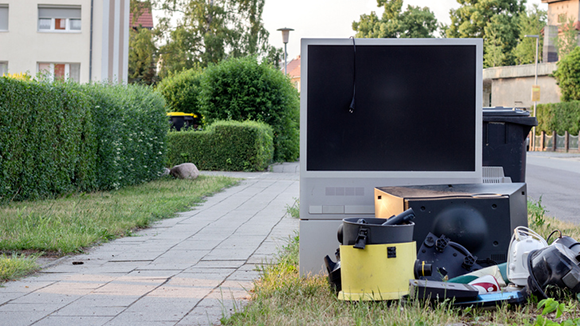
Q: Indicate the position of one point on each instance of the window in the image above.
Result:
(61, 71)
(3, 17)
(59, 18)
(3, 68)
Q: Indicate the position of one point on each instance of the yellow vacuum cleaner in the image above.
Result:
(377, 272)
(377, 258)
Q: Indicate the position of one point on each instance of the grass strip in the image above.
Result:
(281, 297)
(69, 224)
(15, 266)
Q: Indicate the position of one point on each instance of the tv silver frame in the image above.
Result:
(321, 210)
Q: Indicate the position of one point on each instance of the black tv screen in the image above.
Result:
(413, 108)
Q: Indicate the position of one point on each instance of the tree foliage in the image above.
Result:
(502, 34)
(209, 31)
(142, 53)
(414, 22)
(568, 41)
(568, 76)
(142, 48)
(496, 21)
(470, 20)
(242, 89)
(530, 22)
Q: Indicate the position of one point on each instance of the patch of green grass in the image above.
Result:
(294, 210)
(69, 224)
(16, 266)
(282, 297)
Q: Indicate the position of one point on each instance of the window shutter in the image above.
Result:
(49, 12)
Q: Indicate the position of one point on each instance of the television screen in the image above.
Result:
(414, 108)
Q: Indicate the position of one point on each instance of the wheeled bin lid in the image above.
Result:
(181, 114)
(511, 115)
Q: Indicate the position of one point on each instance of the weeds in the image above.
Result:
(558, 309)
(536, 213)
(294, 210)
(16, 266)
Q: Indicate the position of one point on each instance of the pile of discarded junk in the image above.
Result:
(377, 260)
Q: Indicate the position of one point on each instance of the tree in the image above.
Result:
(530, 22)
(414, 22)
(501, 38)
(177, 54)
(209, 31)
(568, 76)
(243, 89)
(469, 20)
(142, 49)
(142, 52)
(496, 21)
(568, 41)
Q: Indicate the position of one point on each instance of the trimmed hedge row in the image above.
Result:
(60, 137)
(130, 128)
(47, 142)
(224, 145)
(561, 117)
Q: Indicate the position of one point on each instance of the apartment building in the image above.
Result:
(560, 12)
(81, 40)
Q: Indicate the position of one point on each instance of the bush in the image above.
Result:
(242, 89)
(225, 145)
(181, 91)
(56, 138)
(568, 76)
(561, 117)
(47, 143)
(130, 127)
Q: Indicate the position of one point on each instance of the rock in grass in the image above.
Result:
(185, 171)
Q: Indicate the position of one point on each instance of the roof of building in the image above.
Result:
(550, 1)
(144, 20)
(293, 68)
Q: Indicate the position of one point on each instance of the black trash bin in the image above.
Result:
(504, 140)
(180, 120)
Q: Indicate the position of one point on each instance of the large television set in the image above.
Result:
(382, 112)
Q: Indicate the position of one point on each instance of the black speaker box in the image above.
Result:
(481, 217)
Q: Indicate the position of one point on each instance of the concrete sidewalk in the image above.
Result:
(188, 270)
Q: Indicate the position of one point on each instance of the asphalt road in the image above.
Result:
(555, 178)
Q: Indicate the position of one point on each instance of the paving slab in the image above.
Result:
(193, 269)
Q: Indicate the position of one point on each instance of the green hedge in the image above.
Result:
(130, 128)
(61, 137)
(243, 89)
(225, 145)
(181, 91)
(561, 117)
(47, 143)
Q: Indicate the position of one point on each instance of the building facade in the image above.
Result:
(560, 13)
(511, 86)
(82, 40)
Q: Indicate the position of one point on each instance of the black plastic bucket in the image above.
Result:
(376, 233)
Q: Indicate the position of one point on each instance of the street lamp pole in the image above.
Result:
(537, 37)
(285, 35)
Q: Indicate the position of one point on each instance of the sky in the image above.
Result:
(333, 18)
